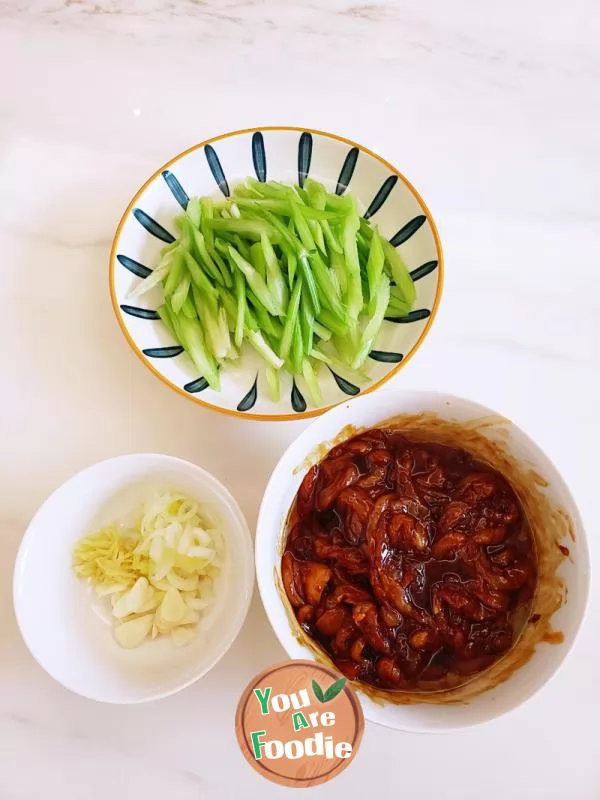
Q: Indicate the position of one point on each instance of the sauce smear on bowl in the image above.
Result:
(409, 562)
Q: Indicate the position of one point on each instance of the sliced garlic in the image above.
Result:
(132, 633)
(172, 607)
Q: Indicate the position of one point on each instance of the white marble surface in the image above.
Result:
(493, 110)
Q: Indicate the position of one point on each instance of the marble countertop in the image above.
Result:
(493, 111)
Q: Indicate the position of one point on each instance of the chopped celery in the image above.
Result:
(180, 294)
(290, 320)
(252, 228)
(309, 282)
(297, 352)
(375, 264)
(377, 313)
(257, 341)
(192, 338)
(275, 282)
(274, 383)
(200, 280)
(293, 272)
(175, 274)
(255, 281)
(194, 211)
(400, 273)
(311, 382)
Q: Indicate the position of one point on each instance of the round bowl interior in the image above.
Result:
(474, 705)
(58, 614)
(283, 154)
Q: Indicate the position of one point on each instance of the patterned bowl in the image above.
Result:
(289, 155)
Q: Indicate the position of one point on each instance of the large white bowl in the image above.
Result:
(56, 611)
(286, 154)
(369, 411)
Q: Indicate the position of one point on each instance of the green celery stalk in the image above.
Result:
(400, 273)
(205, 260)
(275, 282)
(192, 338)
(375, 265)
(176, 273)
(309, 282)
(251, 228)
(290, 320)
(257, 341)
(180, 294)
(168, 247)
(332, 323)
(188, 308)
(240, 296)
(312, 383)
(207, 213)
(381, 299)
(194, 211)
(302, 227)
(354, 287)
(257, 259)
(321, 331)
(214, 325)
(307, 322)
(297, 351)
(158, 275)
(354, 376)
(338, 265)
(201, 281)
(281, 207)
(255, 282)
(274, 383)
(328, 293)
(333, 245)
(166, 315)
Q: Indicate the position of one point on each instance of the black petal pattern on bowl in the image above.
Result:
(423, 270)
(413, 316)
(386, 357)
(134, 266)
(141, 313)
(199, 385)
(381, 196)
(259, 158)
(298, 401)
(163, 352)
(152, 226)
(216, 169)
(344, 385)
(249, 399)
(347, 170)
(408, 230)
(176, 188)
(304, 156)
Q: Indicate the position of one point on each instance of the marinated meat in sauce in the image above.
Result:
(409, 563)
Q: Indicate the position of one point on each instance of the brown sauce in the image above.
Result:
(409, 563)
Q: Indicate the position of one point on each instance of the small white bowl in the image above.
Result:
(57, 613)
(471, 705)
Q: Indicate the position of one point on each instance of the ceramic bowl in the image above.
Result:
(563, 581)
(58, 614)
(289, 155)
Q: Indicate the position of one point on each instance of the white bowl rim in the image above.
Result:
(248, 569)
(283, 636)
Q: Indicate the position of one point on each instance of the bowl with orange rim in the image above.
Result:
(291, 156)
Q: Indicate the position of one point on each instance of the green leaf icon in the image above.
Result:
(334, 690)
(318, 692)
